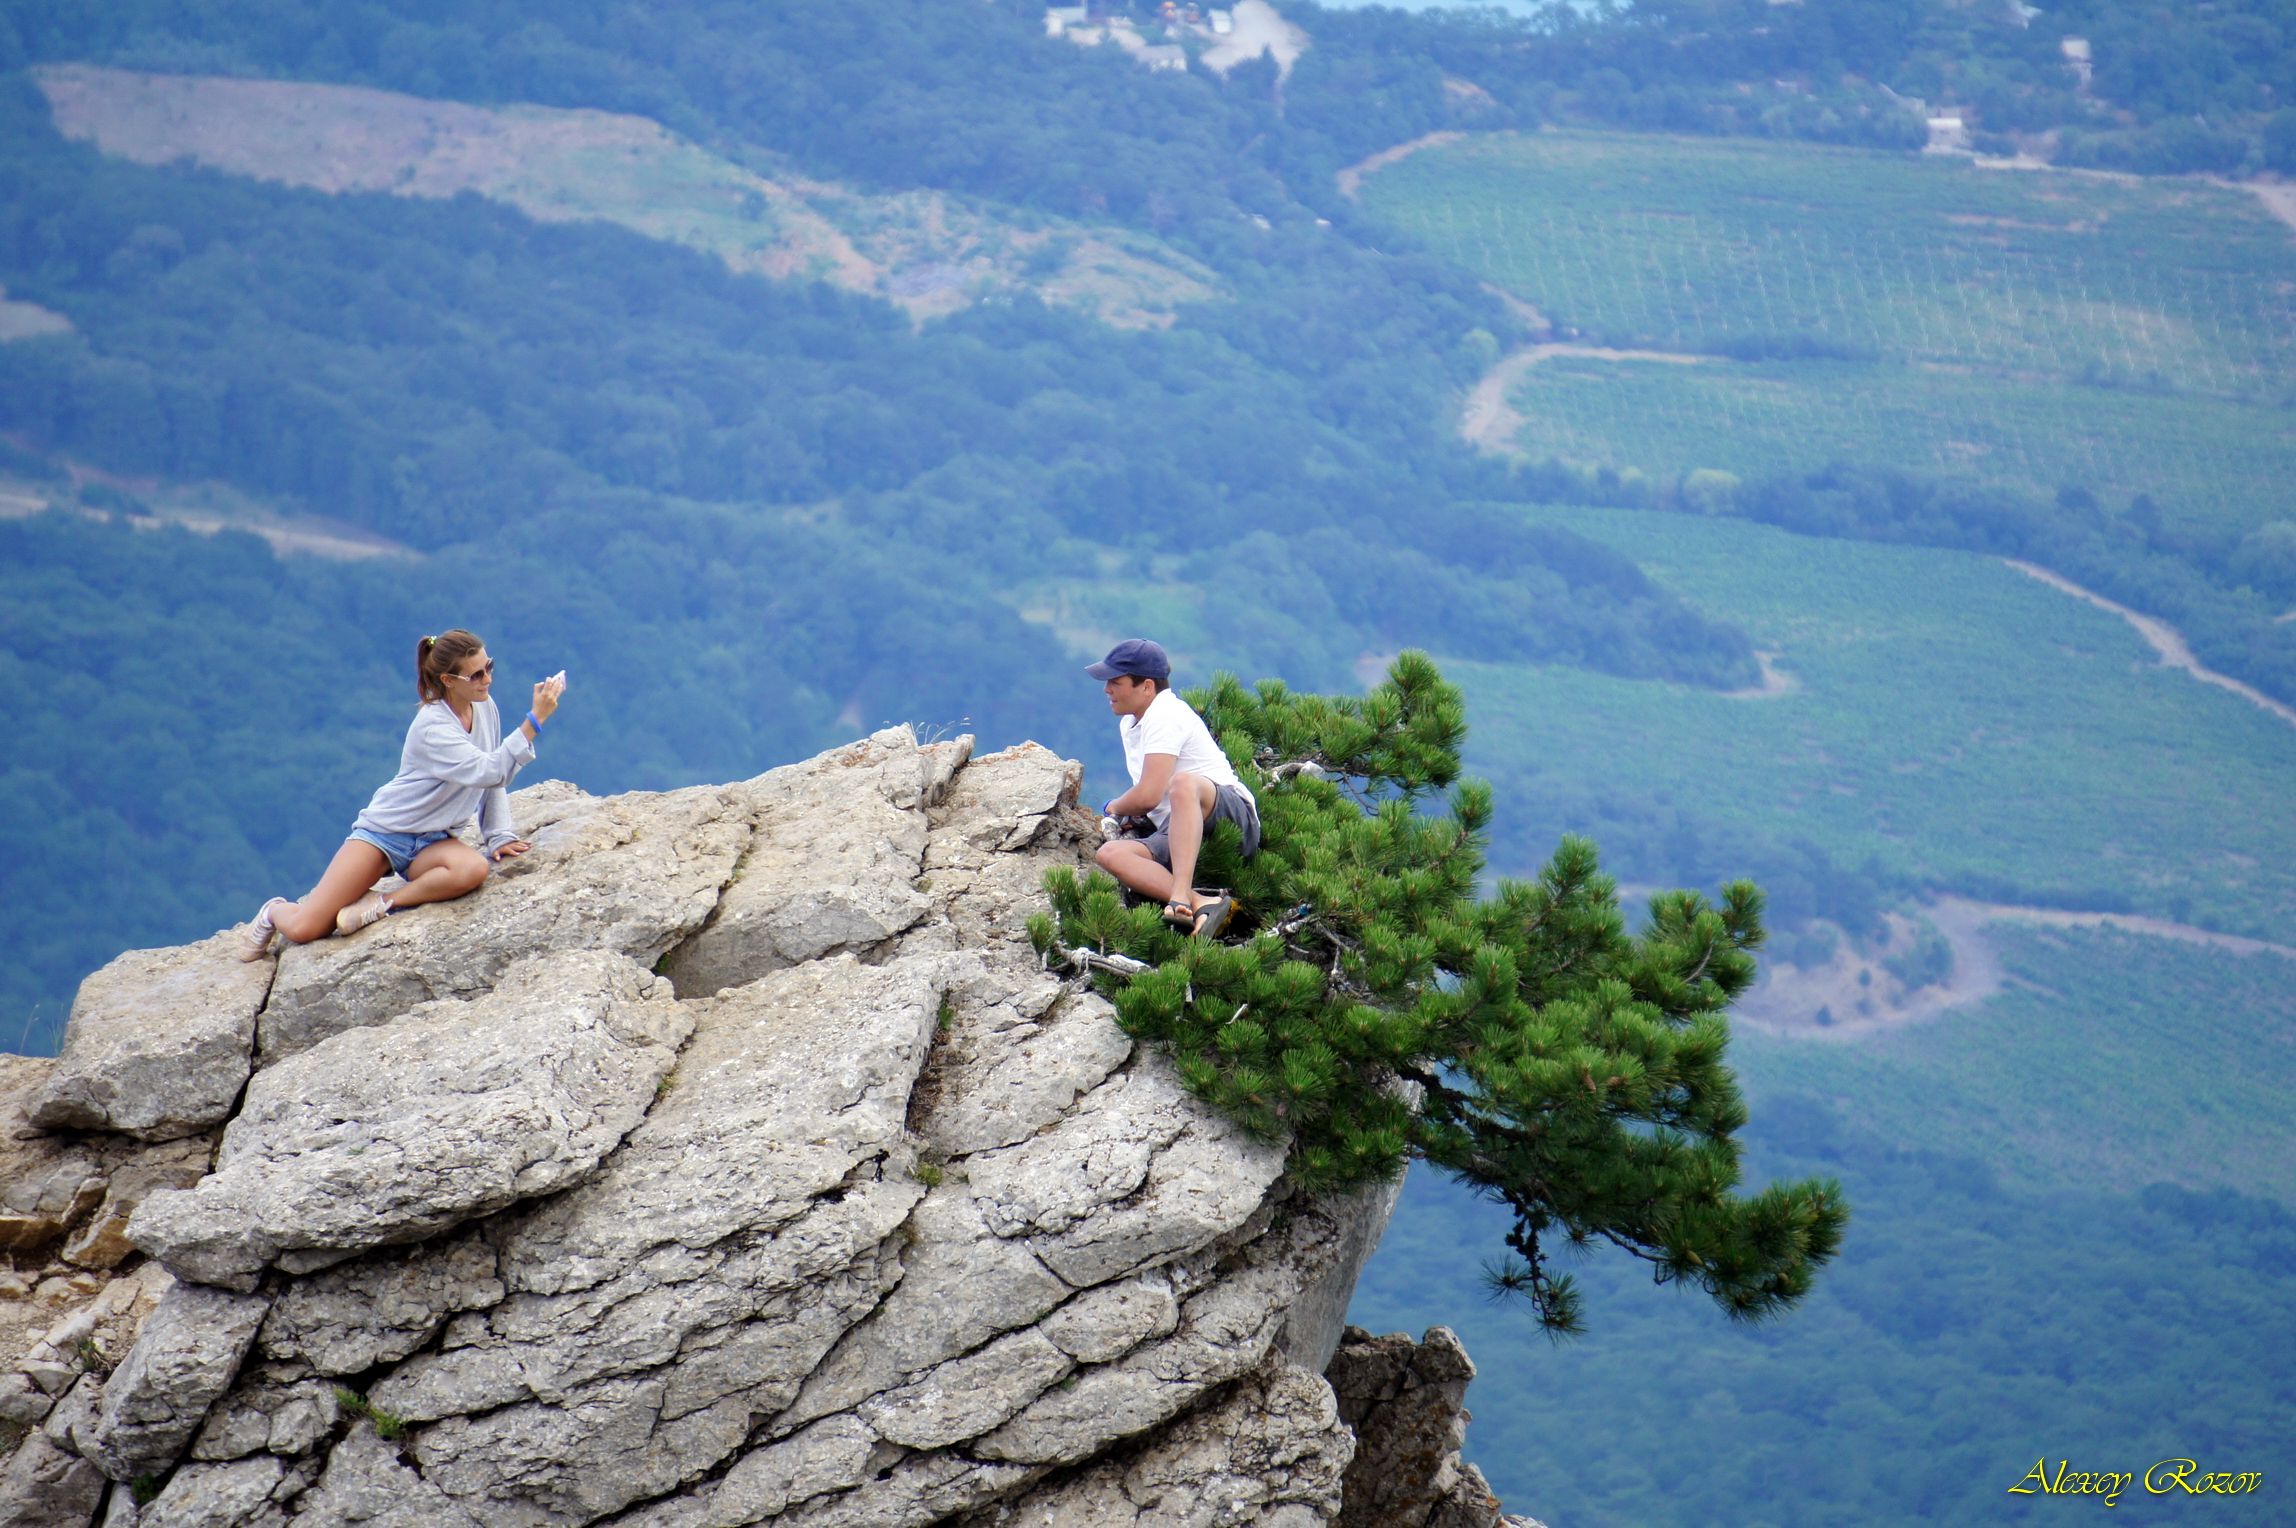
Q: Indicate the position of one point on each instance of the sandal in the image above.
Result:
(1180, 916)
(1212, 917)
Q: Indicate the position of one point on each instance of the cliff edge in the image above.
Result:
(728, 1159)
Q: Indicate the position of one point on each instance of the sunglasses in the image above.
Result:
(485, 671)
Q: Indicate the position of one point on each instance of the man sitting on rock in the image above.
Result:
(1181, 782)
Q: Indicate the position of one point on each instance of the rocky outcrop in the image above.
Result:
(185, 1357)
(453, 1110)
(156, 1046)
(1406, 1403)
(729, 1159)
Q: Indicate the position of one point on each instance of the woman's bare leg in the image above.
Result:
(355, 868)
(447, 869)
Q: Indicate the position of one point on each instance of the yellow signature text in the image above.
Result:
(2071, 1482)
(2185, 1475)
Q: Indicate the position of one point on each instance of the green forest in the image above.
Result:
(754, 516)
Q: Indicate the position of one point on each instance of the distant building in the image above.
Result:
(1263, 30)
(2076, 51)
(1948, 135)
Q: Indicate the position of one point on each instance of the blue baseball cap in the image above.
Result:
(1136, 656)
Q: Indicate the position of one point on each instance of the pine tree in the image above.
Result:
(1369, 1005)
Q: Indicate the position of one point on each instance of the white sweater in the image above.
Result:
(447, 775)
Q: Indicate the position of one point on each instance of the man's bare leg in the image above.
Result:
(1191, 799)
(1129, 861)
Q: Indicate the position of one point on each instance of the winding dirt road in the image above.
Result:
(2165, 639)
(1351, 179)
(1790, 1000)
(1490, 423)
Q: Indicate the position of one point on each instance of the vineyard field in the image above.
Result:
(2041, 328)
(2207, 456)
(1949, 721)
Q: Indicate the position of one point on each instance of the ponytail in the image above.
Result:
(438, 656)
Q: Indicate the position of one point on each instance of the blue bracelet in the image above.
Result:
(536, 720)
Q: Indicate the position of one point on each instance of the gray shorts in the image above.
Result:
(1234, 804)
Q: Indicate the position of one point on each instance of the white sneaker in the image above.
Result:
(255, 937)
(368, 909)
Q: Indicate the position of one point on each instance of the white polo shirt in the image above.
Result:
(1170, 725)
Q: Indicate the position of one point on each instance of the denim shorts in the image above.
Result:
(399, 848)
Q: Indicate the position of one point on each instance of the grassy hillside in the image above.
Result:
(2208, 462)
(1952, 723)
(927, 251)
(2035, 329)
(2021, 1278)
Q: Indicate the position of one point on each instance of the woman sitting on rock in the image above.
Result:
(456, 763)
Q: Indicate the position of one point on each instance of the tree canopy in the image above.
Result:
(1375, 1008)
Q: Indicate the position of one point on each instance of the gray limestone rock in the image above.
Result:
(243, 1493)
(1312, 1331)
(86, 1336)
(1001, 801)
(1138, 1170)
(270, 1413)
(53, 1185)
(182, 1361)
(921, 1489)
(22, 1401)
(831, 866)
(73, 1421)
(120, 1509)
(103, 1241)
(961, 1287)
(1004, 1073)
(75, 1188)
(878, 1226)
(45, 1487)
(942, 761)
(985, 865)
(1270, 1454)
(1407, 1403)
(69, 1194)
(657, 1313)
(369, 1484)
(967, 1396)
(1225, 1330)
(158, 1043)
(833, 1455)
(381, 1306)
(631, 874)
(388, 1134)
(1109, 1322)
